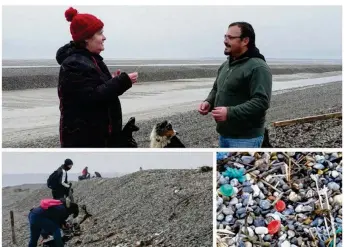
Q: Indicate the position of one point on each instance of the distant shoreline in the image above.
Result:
(34, 78)
(269, 60)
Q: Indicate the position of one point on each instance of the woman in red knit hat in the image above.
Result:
(91, 113)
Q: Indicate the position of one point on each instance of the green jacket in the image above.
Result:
(243, 86)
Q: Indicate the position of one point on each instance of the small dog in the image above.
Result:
(127, 139)
(164, 136)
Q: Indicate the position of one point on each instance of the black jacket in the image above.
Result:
(60, 175)
(89, 102)
(58, 214)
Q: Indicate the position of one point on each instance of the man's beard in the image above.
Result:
(227, 53)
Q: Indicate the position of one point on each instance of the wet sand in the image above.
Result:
(30, 117)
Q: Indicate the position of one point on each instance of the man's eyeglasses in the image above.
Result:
(231, 37)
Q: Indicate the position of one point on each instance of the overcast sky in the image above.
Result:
(16, 163)
(171, 32)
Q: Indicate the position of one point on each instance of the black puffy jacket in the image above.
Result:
(91, 113)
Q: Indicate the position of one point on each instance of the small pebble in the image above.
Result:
(241, 211)
(285, 244)
(220, 217)
(264, 204)
(285, 187)
(268, 178)
(267, 237)
(294, 197)
(283, 237)
(249, 220)
(339, 220)
(276, 194)
(247, 159)
(291, 234)
(250, 231)
(320, 159)
(307, 208)
(259, 221)
(228, 211)
(261, 196)
(319, 166)
(271, 198)
(229, 218)
(334, 174)
(299, 209)
(261, 230)
(248, 244)
(333, 186)
(256, 190)
(291, 227)
(247, 189)
(234, 182)
(219, 201)
(223, 180)
(310, 194)
(288, 211)
(256, 172)
(234, 201)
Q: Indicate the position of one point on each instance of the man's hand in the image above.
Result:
(219, 114)
(204, 108)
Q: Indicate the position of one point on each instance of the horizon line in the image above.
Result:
(195, 58)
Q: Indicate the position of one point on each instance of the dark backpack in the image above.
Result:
(53, 180)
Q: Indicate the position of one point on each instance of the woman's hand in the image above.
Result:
(133, 77)
(117, 73)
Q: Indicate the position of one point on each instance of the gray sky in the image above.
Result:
(38, 162)
(172, 32)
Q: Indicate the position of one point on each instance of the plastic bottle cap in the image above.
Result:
(280, 206)
(227, 190)
(274, 226)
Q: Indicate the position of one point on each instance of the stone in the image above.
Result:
(261, 230)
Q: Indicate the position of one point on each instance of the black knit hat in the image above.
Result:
(68, 162)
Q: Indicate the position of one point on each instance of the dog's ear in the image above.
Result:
(131, 120)
(158, 126)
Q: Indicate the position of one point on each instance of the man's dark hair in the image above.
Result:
(247, 31)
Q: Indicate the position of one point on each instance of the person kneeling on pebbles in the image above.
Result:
(49, 218)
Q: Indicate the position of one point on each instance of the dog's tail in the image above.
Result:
(152, 137)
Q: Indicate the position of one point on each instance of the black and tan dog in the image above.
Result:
(164, 136)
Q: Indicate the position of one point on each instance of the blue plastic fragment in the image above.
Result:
(235, 173)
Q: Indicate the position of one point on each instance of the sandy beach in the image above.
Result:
(31, 114)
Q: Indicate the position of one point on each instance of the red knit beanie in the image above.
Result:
(82, 26)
